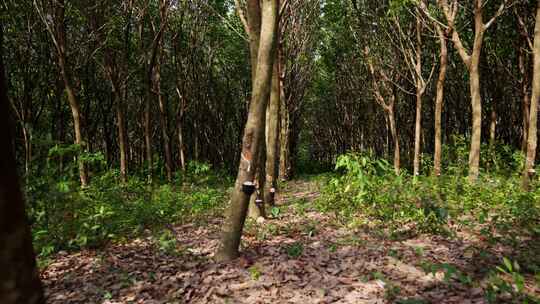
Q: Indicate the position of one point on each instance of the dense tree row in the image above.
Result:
(147, 86)
(150, 85)
(407, 76)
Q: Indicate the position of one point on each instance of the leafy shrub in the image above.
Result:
(368, 188)
(63, 216)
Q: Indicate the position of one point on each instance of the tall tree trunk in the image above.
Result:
(19, 278)
(253, 28)
(395, 136)
(439, 100)
(179, 128)
(476, 98)
(122, 137)
(253, 134)
(417, 134)
(526, 99)
(59, 39)
(528, 171)
(27, 150)
(420, 88)
(284, 139)
(257, 203)
(164, 123)
(472, 61)
(272, 137)
(492, 127)
(148, 134)
(77, 117)
(476, 137)
(181, 148)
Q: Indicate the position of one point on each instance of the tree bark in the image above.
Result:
(272, 137)
(164, 123)
(19, 278)
(180, 129)
(476, 98)
(59, 39)
(284, 140)
(472, 62)
(420, 88)
(492, 127)
(257, 203)
(526, 99)
(395, 136)
(148, 132)
(122, 136)
(528, 171)
(253, 134)
(440, 99)
(476, 137)
(254, 32)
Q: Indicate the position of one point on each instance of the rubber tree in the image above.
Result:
(525, 77)
(57, 31)
(116, 69)
(442, 35)
(252, 25)
(412, 53)
(253, 134)
(385, 96)
(528, 171)
(19, 278)
(471, 59)
(439, 99)
(272, 135)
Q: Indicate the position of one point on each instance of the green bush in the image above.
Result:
(368, 187)
(64, 216)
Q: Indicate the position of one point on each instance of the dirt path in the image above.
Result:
(300, 257)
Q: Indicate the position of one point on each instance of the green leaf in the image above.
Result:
(508, 264)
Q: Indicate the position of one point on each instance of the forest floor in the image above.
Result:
(299, 256)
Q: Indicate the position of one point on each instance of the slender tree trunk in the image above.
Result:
(27, 150)
(476, 98)
(272, 137)
(257, 203)
(122, 137)
(492, 127)
(476, 103)
(72, 98)
(395, 136)
(19, 278)
(254, 31)
(180, 129)
(196, 141)
(472, 62)
(526, 99)
(253, 134)
(148, 136)
(181, 148)
(420, 88)
(439, 100)
(76, 113)
(284, 147)
(164, 123)
(528, 171)
(417, 133)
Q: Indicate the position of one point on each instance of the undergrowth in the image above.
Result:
(366, 193)
(66, 217)
(365, 187)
